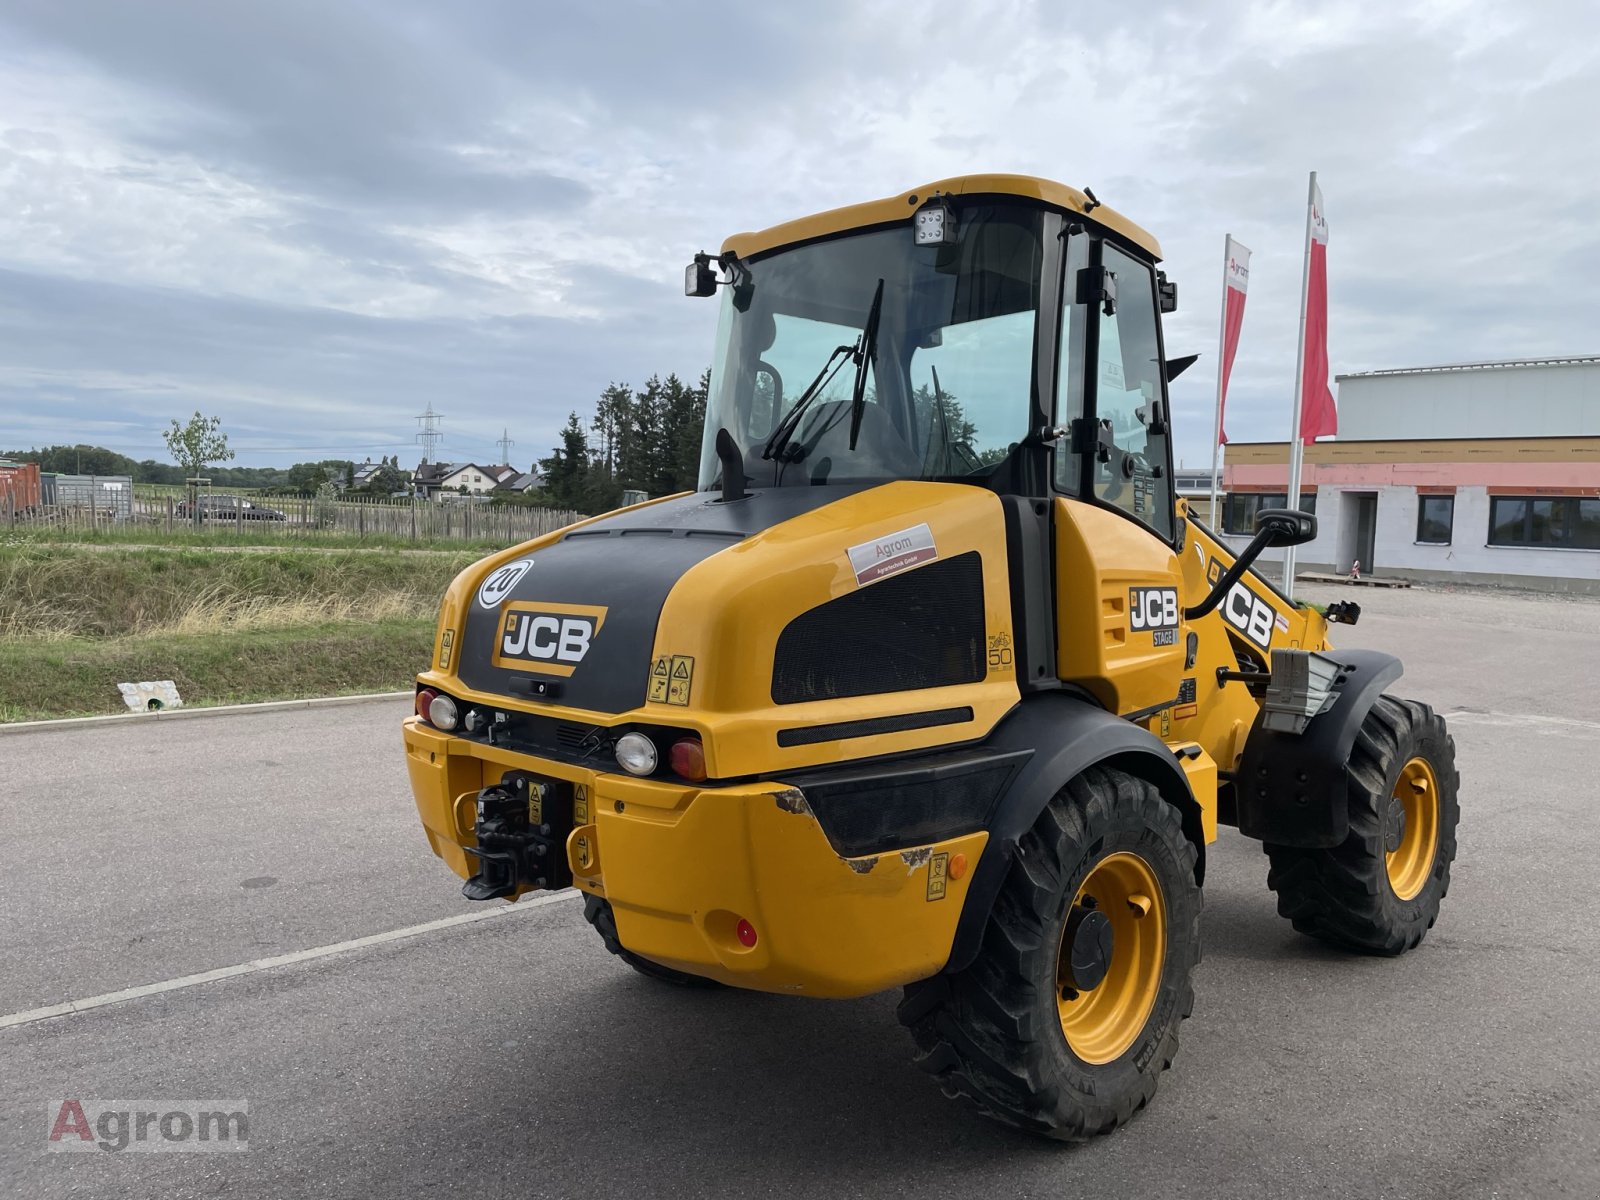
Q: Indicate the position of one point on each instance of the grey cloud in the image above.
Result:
(353, 102)
(284, 377)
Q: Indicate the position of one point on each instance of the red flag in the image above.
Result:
(1235, 280)
(1318, 417)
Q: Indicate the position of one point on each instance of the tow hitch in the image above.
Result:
(522, 829)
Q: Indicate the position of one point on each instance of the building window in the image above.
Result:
(1435, 517)
(1239, 508)
(1563, 522)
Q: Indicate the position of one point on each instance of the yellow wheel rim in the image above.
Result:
(1414, 813)
(1101, 1022)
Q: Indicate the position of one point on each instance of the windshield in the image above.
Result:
(946, 392)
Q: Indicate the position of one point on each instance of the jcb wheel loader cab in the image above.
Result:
(926, 686)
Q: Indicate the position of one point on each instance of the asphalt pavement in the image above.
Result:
(512, 1056)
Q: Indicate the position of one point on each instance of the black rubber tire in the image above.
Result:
(1343, 895)
(992, 1032)
(598, 913)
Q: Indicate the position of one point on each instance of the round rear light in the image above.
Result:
(637, 754)
(688, 759)
(443, 713)
(424, 698)
(746, 933)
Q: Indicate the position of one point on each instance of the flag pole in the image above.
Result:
(1295, 449)
(1213, 514)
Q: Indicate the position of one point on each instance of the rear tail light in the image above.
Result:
(438, 710)
(746, 933)
(688, 759)
(443, 713)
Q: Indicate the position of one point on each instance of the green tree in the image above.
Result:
(566, 470)
(197, 443)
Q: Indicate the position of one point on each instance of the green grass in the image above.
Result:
(226, 628)
(267, 535)
(79, 676)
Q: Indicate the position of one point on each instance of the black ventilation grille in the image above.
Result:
(922, 629)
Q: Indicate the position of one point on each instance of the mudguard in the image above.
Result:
(1066, 734)
(1290, 788)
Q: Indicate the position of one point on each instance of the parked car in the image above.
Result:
(230, 508)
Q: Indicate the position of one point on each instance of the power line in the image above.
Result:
(505, 443)
(429, 435)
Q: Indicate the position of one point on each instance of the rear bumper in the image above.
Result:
(681, 865)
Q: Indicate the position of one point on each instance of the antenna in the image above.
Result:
(429, 435)
(505, 443)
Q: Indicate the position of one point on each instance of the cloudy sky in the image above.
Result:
(315, 219)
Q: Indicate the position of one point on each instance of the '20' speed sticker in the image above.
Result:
(501, 582)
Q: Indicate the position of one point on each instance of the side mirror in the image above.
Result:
(1274, 527)
(1167, 291)
(1286, 526)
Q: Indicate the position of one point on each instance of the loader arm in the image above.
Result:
(1257, 616)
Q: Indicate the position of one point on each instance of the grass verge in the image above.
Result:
(42, 678)
(226, 628)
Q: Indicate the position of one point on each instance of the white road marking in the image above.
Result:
(282, 960)
(1501, 718)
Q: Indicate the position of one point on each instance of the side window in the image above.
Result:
(1128, 389)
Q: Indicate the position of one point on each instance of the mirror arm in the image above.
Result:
(1241, 564)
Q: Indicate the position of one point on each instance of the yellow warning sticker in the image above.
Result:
(680, 679)
(938, 875)
(447, 645)
(1166, 722)
(535, 804)
(660, 674)
(580, 804)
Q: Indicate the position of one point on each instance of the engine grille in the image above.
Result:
(921, 629)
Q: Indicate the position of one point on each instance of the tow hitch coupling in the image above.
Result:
(522, 829)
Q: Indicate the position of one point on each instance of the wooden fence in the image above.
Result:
(295, 518)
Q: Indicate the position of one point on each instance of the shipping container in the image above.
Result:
(19, 489)
(105, 495)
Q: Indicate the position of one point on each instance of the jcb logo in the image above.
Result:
(549, 638)
(1152, 608)
(1249, 614)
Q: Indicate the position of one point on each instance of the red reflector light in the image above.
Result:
(745, 932)
(688, 759)
(424, 698)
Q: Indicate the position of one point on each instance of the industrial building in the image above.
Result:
(1482, 473)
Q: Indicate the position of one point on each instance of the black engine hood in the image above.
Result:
(581, 614)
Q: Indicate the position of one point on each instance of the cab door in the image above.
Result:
(1119, 619)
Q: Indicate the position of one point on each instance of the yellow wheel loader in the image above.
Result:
(934, 683)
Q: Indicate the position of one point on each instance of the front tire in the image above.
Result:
(1379, 892)
(1065, 1020)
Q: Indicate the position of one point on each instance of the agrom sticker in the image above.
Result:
(893, 553)
(502, 582)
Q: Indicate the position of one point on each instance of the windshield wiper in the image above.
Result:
(779, 441)
(868, 351)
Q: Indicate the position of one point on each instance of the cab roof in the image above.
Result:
(901, 207)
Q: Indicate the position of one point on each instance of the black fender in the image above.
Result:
(1066, 735)
(1290, 788)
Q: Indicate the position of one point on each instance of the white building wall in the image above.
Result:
(1547, 400)
(1468, 557)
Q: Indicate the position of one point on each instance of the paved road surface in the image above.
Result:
(512, 1056)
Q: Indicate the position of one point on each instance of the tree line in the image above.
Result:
(639, 439)
(301, 477)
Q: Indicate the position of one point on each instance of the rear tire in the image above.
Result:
(1017, 1032)
(598, 913)
(1379, 892)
